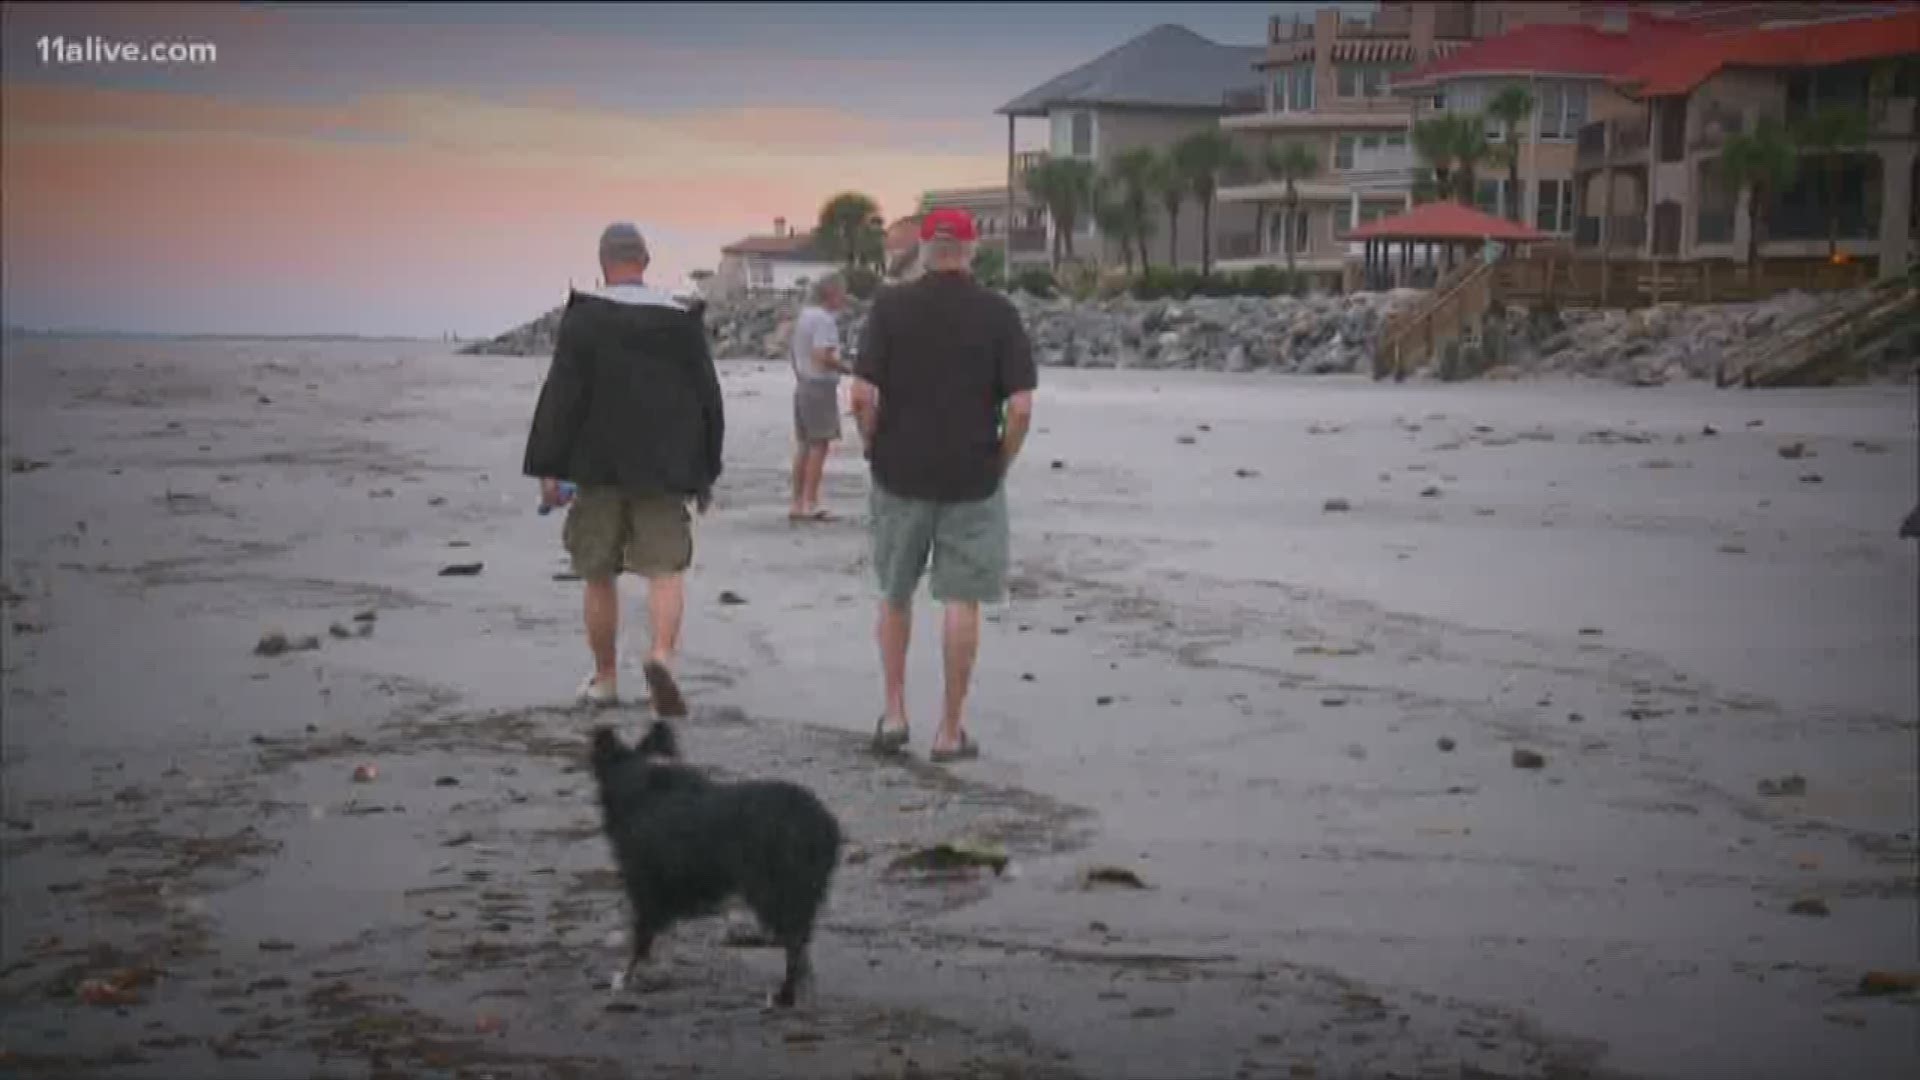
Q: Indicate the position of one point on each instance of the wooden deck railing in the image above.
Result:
(1588, 282)
(1458, 303)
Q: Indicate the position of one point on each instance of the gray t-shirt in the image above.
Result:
(814, 329)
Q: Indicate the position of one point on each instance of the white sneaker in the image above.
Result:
(598, 694)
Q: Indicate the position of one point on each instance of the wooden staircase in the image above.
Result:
(1456, 307)
(1819, 349)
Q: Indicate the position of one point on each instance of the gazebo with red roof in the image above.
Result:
(1446, 227)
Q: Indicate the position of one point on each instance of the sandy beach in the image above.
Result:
(1275, 644)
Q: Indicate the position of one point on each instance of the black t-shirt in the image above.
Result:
(945, 354)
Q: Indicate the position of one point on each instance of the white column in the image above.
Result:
(1354, 217)
(1896, 197)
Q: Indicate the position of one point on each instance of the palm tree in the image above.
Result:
(1467, 135)
(1511, 106)
(1763, 161)
(1132, 171)
(1829, 133)
(850, 229)
(1200, 158)
(1167, 183)
(1115, 220)
(1433, 143)
(1065, 187)
(1288, 163)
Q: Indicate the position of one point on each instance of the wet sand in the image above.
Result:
(1204, 675)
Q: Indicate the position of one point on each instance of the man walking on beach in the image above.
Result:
(814, 352)
(943, 397)
(631, 414)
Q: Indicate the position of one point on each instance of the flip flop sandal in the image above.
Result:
(667, 702)
(968, 750)
(889, 740)
(822, 515)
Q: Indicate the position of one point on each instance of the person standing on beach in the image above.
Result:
(814, 351)
(630, 413)
(943, 396)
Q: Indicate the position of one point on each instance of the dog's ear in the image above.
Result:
(608, 751)
(660, 742)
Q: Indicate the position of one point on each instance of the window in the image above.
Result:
(1302, 92)
(1486, 195)
(1554, 212)
(1397, 141)
(759, 273)
(1278, 231)
(1083, 134)
(1349, 81)
(1439, 103)
(1343, 219)
(1365, 80)
(1343, 152)
(1552, 104)
(1369, 142)
(1373, 82)
(1563, 109)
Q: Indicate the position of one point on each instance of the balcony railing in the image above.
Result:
(1713, 227)
(1244, 102)
(1586, 232)
(1628, 138)
(1281, 29)
(1627, 230)
(1856, 223)
(1026, 161)
(1027, 239)
(1715, 129)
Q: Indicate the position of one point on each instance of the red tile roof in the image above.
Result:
(1556, 49)
(1445, 221)
(1679, 70)
(798, 246)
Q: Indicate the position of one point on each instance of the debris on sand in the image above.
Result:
(1782, 787)
(729, 598)
(1336, 506)
(1794, 451)
(1246, 474)
(1430, 493)
(339, 632)
(1184, 440)
(365, 774)
(277, 643)
(470, 569)
(1529, 759)
(1812, 906)
(27, 465)
(1881, 983)
(1095, 876)
(1445, 744)
(953, 855)
(369, 615)
(119, 988)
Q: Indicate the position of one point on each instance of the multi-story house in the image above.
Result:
(1566, 69)
(1329, 85)
(1017, 226)
(779, 262)
(1152, 92)
(1649, 183)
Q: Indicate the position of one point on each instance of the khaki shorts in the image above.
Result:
(967, 544)
(816, 412)
(609, 530)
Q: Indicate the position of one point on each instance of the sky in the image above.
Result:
(426, 169)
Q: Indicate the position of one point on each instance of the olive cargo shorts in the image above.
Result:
(609, 530)
(967, 543)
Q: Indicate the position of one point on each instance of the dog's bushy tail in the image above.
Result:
(607, 750)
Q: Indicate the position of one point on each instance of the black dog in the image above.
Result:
(685, 844)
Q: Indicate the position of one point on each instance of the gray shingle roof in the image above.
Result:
(1168, 67)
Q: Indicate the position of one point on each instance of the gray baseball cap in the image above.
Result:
(622, 242)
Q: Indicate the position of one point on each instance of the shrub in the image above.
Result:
(1079, 280)
(1035, 281)
(1266, 281)
(990, 267)
(862, 282)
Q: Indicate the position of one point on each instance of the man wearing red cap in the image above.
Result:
(943, 395)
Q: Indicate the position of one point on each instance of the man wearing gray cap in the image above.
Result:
(631, 415)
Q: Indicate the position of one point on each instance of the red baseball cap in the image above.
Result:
(947, 223)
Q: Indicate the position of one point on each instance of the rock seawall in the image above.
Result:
(1315, 335)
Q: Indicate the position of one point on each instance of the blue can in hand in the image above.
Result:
(567, 492)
